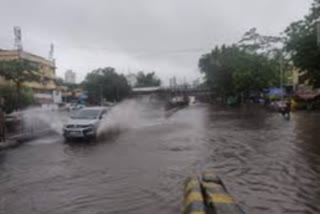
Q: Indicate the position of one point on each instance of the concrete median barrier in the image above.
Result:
(207, 194)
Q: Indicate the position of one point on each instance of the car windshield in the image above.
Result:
(87, 114)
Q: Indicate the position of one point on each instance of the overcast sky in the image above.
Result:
(166, 36)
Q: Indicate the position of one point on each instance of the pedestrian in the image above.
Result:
(287, 109)
(294, 105)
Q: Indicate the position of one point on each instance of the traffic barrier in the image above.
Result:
(193, 198)
(207, 195)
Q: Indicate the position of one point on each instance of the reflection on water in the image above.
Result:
(269, 164)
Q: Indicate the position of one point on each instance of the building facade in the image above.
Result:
(70, 77)
(45, 90)
(131, 79)
(298, 84)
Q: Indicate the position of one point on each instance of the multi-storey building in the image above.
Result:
(45, 91)
(70, 77)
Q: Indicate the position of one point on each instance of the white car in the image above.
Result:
(84, 123)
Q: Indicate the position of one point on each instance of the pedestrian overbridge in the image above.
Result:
(171, 91)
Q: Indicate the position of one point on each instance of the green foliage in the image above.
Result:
(60, 82)
(147, 80)
(255, 72)
(233, 71)
(301, 44)
(19, 71)
(254, 42)
(10, 97)
(71, 86)
(218, 69)
(105, 83)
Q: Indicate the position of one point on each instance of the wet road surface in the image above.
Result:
(269, 164)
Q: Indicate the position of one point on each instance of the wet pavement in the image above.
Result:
(269, 164)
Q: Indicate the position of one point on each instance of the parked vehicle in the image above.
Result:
(277, 106)
(84, 123)
(71, 107)
(177, 101)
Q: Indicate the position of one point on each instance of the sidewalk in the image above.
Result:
(9, 144)
(16, 140)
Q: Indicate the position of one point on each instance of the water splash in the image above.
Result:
(39, 119)
(133, 114)
(129, 114)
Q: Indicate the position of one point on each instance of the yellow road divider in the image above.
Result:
(207, 195)
(221, 198)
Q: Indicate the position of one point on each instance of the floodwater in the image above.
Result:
(269, 164)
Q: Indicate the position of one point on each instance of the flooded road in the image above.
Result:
(269, 164)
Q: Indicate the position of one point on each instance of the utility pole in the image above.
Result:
(51, 52)
(318, 31)
(101, 95)
(17, 38)
(281, 77)
(18, 46)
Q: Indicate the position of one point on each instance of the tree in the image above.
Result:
(301, 44)
(218, 70)
(147, 80)
(11, 101)
(270, 47)
(255, 72)
(254, 42)
(105, 83)
(19, 72)
(233, 71)
(60, 82)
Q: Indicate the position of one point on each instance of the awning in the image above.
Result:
(308, 96)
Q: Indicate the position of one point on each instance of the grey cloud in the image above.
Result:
(163, 35)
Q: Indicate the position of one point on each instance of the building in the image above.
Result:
(196, 83)
(173, 82)
(45, 91)
(131, 79)
(70, 77)
(298, 84)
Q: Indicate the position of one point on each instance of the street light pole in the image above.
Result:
(101, 94)
(281, 77)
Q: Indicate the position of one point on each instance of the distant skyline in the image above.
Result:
(166, 36)
(70, 76)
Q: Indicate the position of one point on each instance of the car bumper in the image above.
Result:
(79, 132)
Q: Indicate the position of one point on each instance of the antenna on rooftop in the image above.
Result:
(17, 38)
(51, 52)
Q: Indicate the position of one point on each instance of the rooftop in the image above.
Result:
(26, 55)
